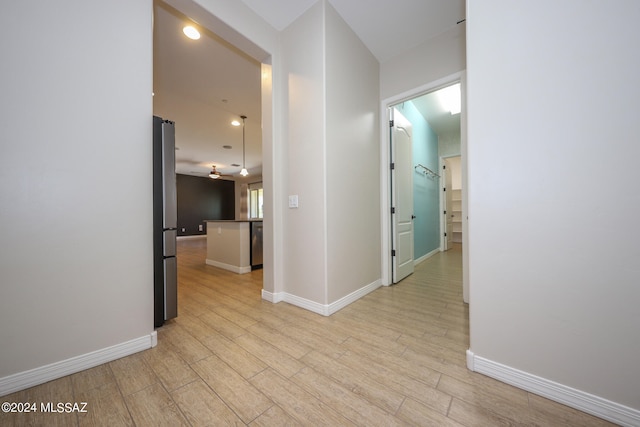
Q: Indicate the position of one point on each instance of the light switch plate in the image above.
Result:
(293, 201)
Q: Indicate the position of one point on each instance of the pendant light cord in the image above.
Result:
(244, 171)
(243, 165)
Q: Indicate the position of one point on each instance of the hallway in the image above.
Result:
(394, 357)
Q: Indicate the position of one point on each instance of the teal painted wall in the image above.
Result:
(426, 196)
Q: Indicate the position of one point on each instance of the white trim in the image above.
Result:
(272, 297)
(464, 165)
(385, 196)
(352, 297)
(470, 360)
(426, 256)
(229, 267)
(323, 309)
(43, 374)
(442, 200)
(307, 304)
(583, 401)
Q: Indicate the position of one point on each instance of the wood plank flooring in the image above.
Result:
(395, 357)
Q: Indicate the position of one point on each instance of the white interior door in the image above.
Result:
(402, 197)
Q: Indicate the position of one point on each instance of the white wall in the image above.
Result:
(75, 179)
(353, 159)
(331, 140)
(553, 210)
(303, 56)
(449, 145)
(430, 61)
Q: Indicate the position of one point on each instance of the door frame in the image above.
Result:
(385, 187)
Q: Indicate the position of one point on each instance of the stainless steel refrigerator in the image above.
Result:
(165, 218)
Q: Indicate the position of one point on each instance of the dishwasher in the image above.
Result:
(256, 245)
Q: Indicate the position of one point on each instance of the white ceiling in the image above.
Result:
(441, 121)
(202, 85)
(386, 27)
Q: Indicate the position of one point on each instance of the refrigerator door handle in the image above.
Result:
(169, 201)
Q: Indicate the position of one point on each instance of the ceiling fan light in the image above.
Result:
(214, 175)
(244, 172)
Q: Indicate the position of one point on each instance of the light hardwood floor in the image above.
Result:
(395, 357)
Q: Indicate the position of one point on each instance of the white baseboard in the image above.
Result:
(271, 297)
(583, 401)
(43, 374)
(323, 309)
(229, 267)
(353, 296)
(307, 304)
(426, 256)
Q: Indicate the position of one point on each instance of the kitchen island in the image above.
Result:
(229, 244)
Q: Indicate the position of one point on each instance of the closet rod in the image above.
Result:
(426, 170)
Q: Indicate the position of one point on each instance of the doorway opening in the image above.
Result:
(437, 134)
(451, 224)
(224, 81)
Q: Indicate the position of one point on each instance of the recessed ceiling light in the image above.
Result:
(191, 32)
(450, 98)
(235, 123)
(227, 147)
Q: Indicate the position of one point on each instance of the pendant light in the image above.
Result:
(244, 171)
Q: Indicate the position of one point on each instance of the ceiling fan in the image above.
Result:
(214, 174)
